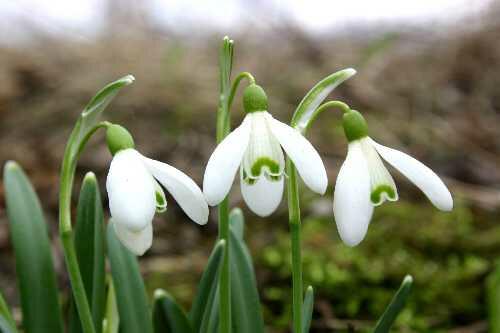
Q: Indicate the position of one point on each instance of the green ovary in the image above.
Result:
(376, 196)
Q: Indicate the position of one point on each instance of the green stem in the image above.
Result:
(295, 234)
(223, 129)
(325, 106)
(68, 169)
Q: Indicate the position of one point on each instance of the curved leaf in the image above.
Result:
(245, 305)
(168, 316)
(132, 300)
(111, 322)
(305, 112)
(493, 297)
(7, 323)
(89, 247)
(35, 270)
(397, 304)
(205, 300)
(307, 309)
(91, 114)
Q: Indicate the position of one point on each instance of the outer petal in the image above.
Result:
(137, 242)
(264, 196)
(420, 175)
(224, 162)
(302, 153)
(131, 191)
(352, 207)
(184, 190)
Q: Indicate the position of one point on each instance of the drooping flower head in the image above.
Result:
(134, 191)
(255, 147)
(364, 182)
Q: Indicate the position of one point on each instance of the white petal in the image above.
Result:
(382, 185)
(131, 191)
(302, 153)
(352, 207)
(263, 154)
(184, 190)
(264, 196)
(137, 242)
(224, 162)
(420, 175)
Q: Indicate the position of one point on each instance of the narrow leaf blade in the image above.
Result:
(7, 323)
(206, 295)
(89, 247)
(246, 308)
(168, 316)
(493, 297)
(307, 309)
(34, 266)
(133, 306)
(397, 304)
(305, 112)
(111, 322)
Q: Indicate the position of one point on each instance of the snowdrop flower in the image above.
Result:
(134, 193)
(256, 148)
(364, 182)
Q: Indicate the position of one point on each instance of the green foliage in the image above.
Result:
(89, 247)
(395, 307)
(307, 309)
(168, 316)
(133, 305)
(493, 295)
(205, 302)
(35, 272)
(444, 252)
(7, 323)
(246, 309)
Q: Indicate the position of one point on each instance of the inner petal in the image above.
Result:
(263, 154)
(381, 183)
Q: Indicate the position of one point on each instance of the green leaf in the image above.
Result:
(305, 112)
(111, 322)
(397, 304)
(35, 271)
(89, 247)
(245, 305)
(237, 222)
(493, 297)
(7, 323)
(206, 299)
(90, 116)
(307, 309)
(168, 316)
(133, 307)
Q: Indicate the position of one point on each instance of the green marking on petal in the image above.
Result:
(376, 196)
(161, 201)
(273, 166)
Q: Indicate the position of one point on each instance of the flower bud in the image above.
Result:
(118, 138)
(254, 99)
(355, 126)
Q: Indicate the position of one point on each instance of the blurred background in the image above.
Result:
(428, 82)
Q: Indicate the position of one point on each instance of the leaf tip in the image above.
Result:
(408, 280)
(159, 294)
(350, 72)
(11, 166)
(90, 177)
(128, 79)
(310, 289)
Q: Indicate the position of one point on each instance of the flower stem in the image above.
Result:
(295, 234)
(227, 93)
(65, 229)
(223, 128)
